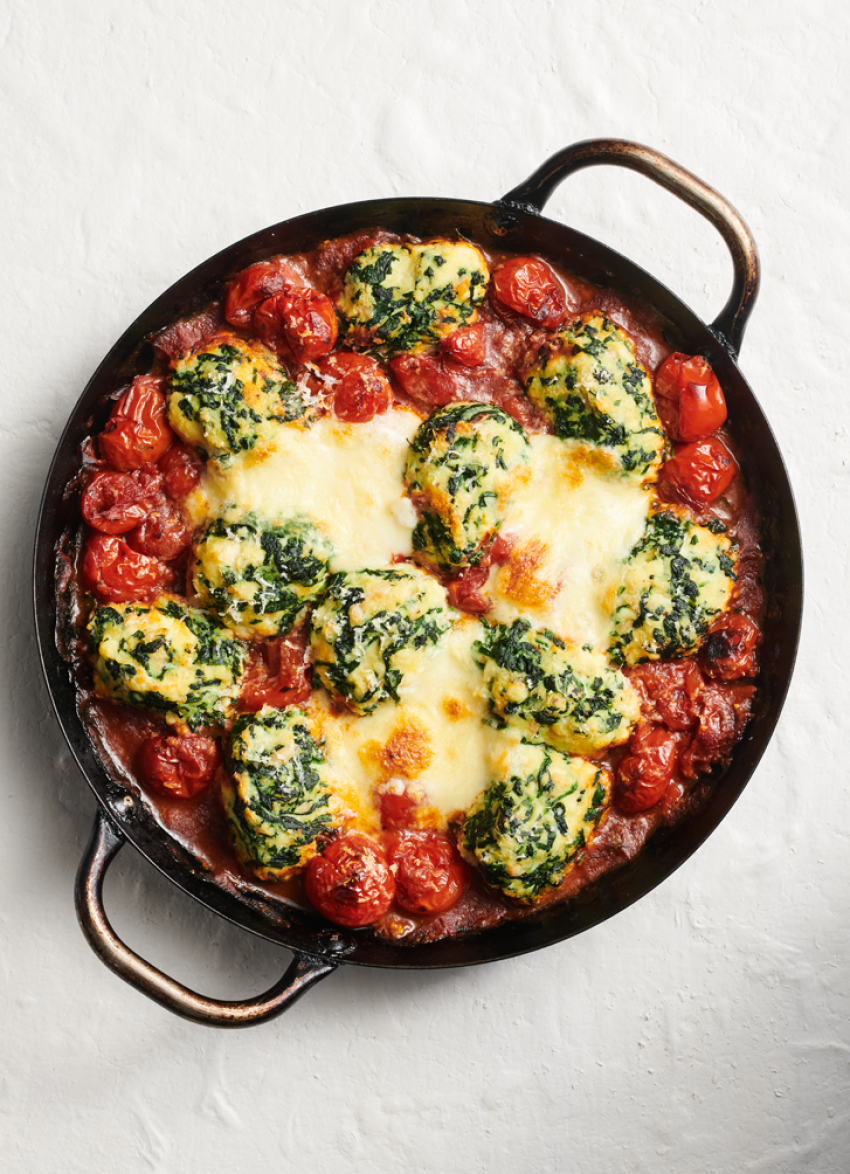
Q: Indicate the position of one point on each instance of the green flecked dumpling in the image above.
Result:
(677, 578)
(176, 660)
(407, 297)
(260, 574)
(460, 472)
(540, 810)
(589, 382)
(278, 799)
(374, 630)
(567, 695)
(228, 395)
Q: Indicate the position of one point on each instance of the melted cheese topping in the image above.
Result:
(346, 478)
(434, 743)
(573, 528)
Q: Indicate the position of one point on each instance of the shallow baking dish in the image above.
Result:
(512, 223)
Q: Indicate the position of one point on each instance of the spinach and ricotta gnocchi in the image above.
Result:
(678, 577)
(564, 694)
(537, 814)
(258, 574)
(177, 660)
(278, 800)
(587, 379)
(407, 297)
(461, 467)
(227, 395)
(374, 630)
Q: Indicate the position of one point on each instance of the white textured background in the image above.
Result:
(704, 1029)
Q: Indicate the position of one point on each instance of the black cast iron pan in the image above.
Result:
(512, 224)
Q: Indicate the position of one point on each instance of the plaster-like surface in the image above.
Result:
(704, 1029)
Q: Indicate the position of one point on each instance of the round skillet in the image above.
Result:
(511, 224)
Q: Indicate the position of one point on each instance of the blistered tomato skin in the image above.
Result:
(278, 675)
(529, 287)
(114, 503)
(137, 432)
(179, 766)
(689, 398)
(424, 379)
(254, 285)
(118, 574)
(302, 318)
(360, 388)
(181, 471)
(163, 534)
(465, 590)
(396, 809)
(467, 345)
(430, 876)
(351, 882)
(698, 474)
(647, 770)
(729, 649)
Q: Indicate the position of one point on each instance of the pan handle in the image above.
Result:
(104, 845)
(730, 323)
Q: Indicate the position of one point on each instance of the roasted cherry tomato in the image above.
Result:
(464, 591)
(360, 389)
(181, 471)
(277, 675)
(530, 288)
(179, 765)
(302, 318)
(647, 770)
(467, 345)
(350, 883)
(724, 711)
(423, 378)
(729, 649)
(396, 808)
(689, 399)
(117, 502)
(137, 432)
(254, 285)
(500, 551)
(164, 533)
(429, 874)
(670, 691)
(698, 473)
(117, 574)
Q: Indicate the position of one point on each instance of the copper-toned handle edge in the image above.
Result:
(730, 323)
(104, 845)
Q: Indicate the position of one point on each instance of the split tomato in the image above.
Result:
(137, 432)
(430, 876)
(360, 388)
(467, 345)
(698, 474)
(118, 574)
(529, 287)
(689, 398)
(179, 765)
(301, 318)
(647, 770)
(117, 502)
(254, 285)
(729, 649)
(350, 883)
